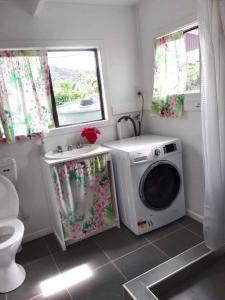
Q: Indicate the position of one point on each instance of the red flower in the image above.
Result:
(91, 134)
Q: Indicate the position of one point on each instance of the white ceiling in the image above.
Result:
(102, 2)
(36, 6)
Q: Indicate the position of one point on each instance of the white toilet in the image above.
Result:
(12, 275)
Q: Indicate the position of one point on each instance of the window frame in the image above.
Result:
(192, 99)
(187, 24)
(193, 92)
(100, 87)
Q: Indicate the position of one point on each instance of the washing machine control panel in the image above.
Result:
(163, 150)
(157, 152)
(170, 148)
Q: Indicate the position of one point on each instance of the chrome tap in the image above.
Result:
(69, 147)
(59, 149)
(78, 145)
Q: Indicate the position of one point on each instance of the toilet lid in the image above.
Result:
(9, 201)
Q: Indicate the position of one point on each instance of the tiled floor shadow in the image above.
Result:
(32, 251)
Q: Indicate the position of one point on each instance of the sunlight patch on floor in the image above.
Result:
(69, 278)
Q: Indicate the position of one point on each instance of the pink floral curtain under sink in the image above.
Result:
(83, 196)
(25, 105)
(169, 76)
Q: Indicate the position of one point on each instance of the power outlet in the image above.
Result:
(138, 90)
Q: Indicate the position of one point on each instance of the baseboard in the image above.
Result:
(37, 234)
(194, 216)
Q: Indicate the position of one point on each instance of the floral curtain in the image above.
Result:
(83, 196)
(169, 76)
(25, 106)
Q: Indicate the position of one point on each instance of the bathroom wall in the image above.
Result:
(124, 48)
(158, 17)
(111, 27)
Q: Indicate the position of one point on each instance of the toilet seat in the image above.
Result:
(18, 231)
(12, 275)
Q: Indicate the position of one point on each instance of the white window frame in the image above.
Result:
(73, 44)
(108, 121)
(193, 97)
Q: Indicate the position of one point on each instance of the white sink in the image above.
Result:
(73, 153)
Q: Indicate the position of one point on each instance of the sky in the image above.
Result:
(75, 60)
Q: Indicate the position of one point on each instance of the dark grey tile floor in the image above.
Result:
(114, 257)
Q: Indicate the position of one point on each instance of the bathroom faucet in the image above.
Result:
(78, 145)
(69, 147)
(59, 149)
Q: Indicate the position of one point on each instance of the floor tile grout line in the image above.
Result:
(111, 261)
(128, 253)
(166, 235)
(94, 269)
(51, 256)
(182, 228)
(185, 225)
(148, 242)
(118, 269)
(46, 244)
(35, 297)
(55, 263)
(102, 266)
(57, 267)
(195, 233)
(192, 231)
(160, 250)
(193, 221)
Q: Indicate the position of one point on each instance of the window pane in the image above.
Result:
(193, 60)
(75, 85)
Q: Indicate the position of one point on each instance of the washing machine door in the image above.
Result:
(159, 185)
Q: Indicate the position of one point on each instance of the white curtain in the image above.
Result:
(211, 15)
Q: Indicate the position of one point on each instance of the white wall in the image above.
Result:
(114, 30)
(158, 17)
(111, 27)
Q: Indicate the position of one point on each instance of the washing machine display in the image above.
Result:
(160, 185)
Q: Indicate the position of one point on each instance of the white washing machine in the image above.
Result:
(149, 181)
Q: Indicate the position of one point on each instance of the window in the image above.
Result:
(76, 87)
(41, 89)
(193, 79)
(176, 72)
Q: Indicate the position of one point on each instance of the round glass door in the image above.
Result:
(159, 185)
